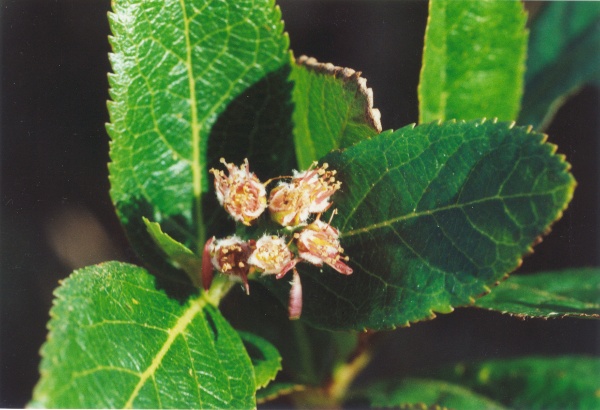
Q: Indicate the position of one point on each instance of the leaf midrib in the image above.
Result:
(430, 212)
(196, 307)
(195, 125)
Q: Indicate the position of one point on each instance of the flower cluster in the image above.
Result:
(291, 204)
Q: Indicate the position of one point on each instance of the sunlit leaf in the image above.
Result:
(187, 73)
(117, 341)
(473, 61)
(333, 108)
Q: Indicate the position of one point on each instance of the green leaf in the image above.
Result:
(117, 341)
(178, 253)
(563, 56)
(333, 109)
(473, 60)
(275, 390)
(184, 72)
(573, 292)
(430, 217)
(431, 393)
(265, 358)
(257, 125)
(569, 382)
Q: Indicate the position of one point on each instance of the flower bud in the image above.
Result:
(319, 243)
(241, 193)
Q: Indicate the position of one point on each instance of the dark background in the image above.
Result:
(56, 214)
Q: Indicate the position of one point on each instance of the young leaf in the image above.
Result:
(265, 358)
(574, 292)
(473, 60)
(333, 109)
(563, 56)
(569, 382)
(430, 217)
(180, 66)
(178, 253)
(428, 392)
(117, 341)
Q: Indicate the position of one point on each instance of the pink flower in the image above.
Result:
(291, 204)
(295, 303)
(228, 256)
(320, 184)
(319, 243)
(241, 193)
(272, 256)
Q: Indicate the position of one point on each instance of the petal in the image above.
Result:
(207, 266)
(295, 304)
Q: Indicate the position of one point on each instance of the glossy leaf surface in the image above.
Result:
(563, 56)
(427, 392)
(569, 382)
(117, 341)
(430, 217)
(473, 60)
(333, 109)
(574, 292)
(186, 74)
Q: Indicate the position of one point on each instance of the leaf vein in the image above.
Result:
(179, 327)
(412, 215)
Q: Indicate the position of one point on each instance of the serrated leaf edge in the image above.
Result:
(486, 289)
(523, 316)
(50, 325)
(559, 214)
(195, 307)
(545, 317)
(373, 115)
